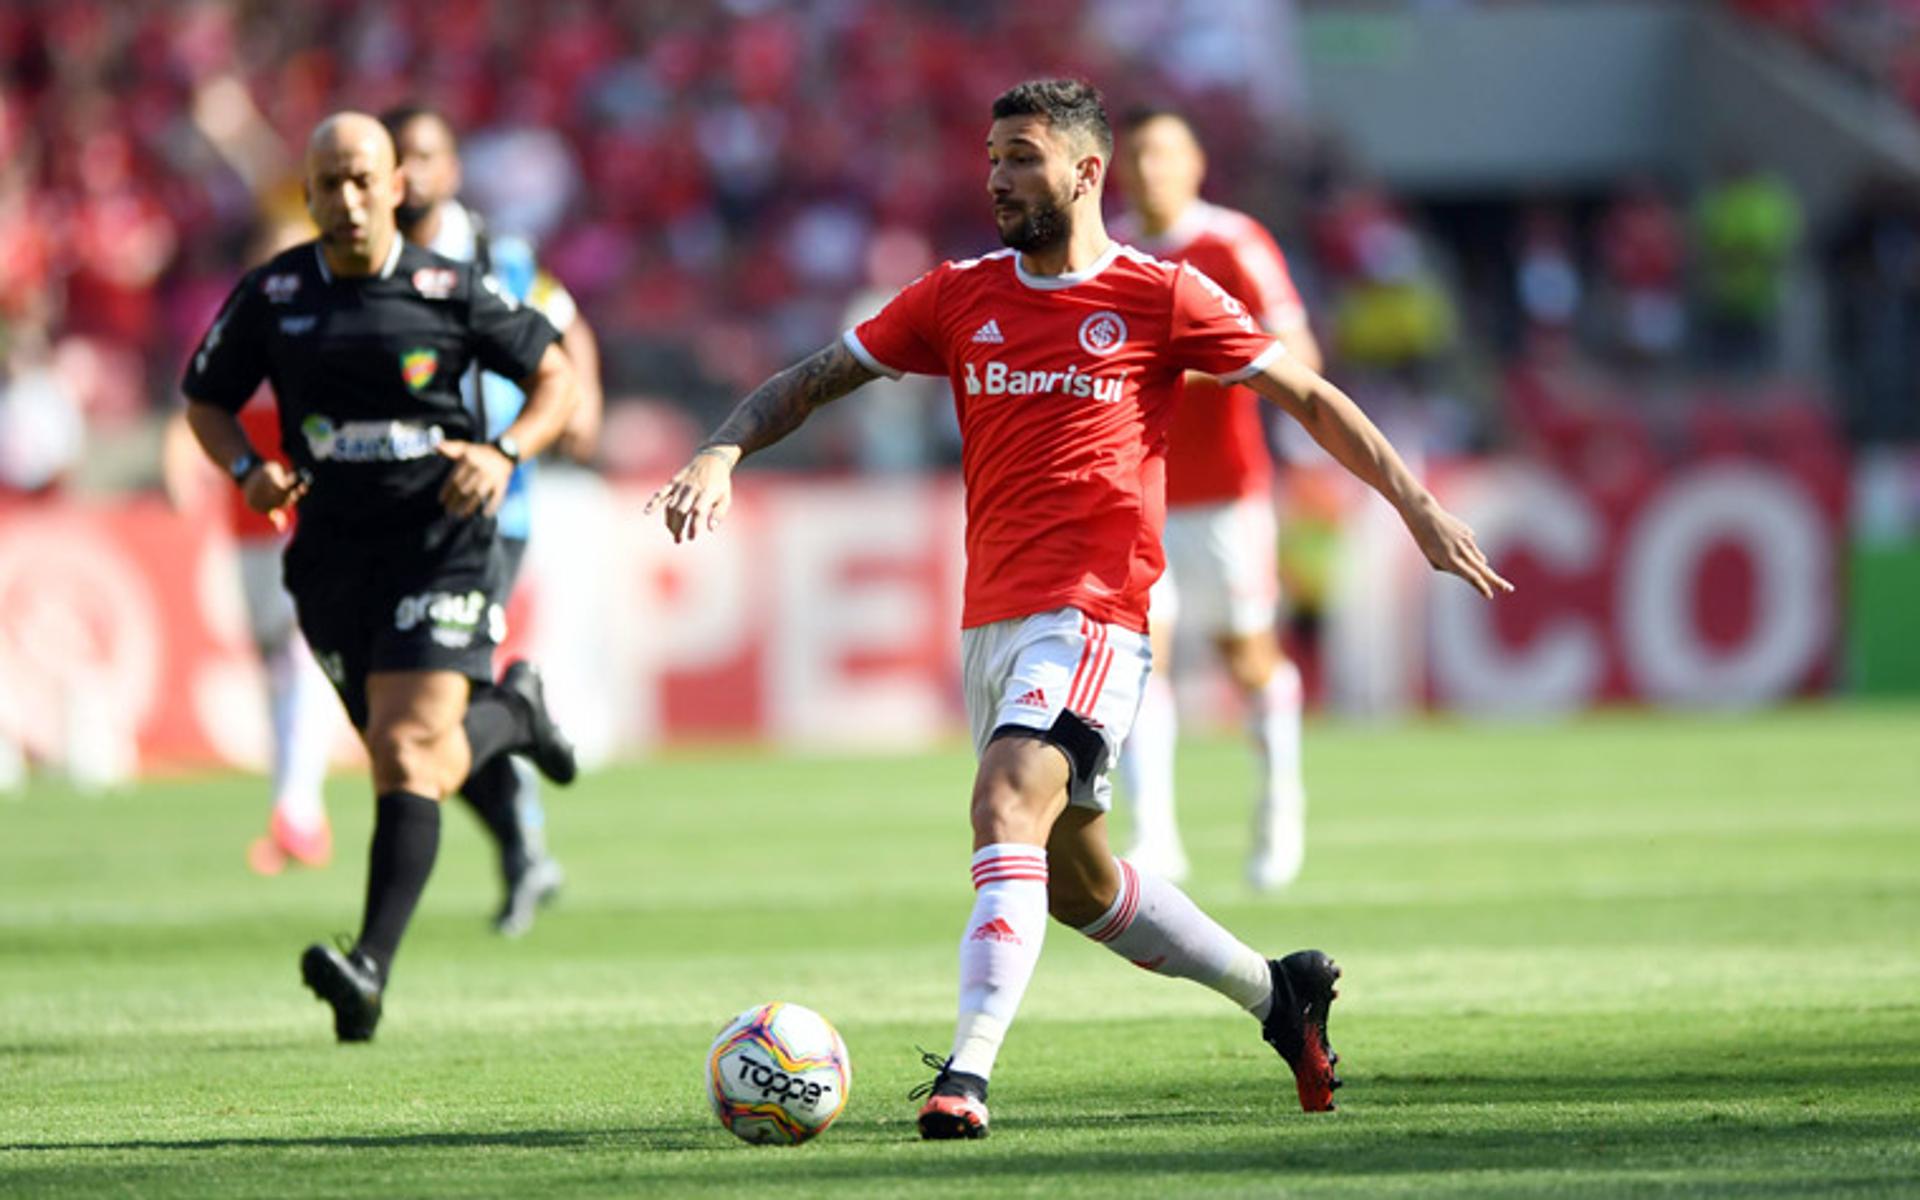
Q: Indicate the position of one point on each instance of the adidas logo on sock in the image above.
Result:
(989, 333)
(1035, 698)
(996, 930)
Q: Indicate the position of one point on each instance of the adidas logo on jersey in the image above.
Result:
(1035, 698)
(989, 334)
(996, 930)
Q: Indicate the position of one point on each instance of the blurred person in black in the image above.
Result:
(505, 792)
(395, 569)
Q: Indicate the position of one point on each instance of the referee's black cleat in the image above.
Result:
(551, 751)
(1296, 1025)
(349, 981)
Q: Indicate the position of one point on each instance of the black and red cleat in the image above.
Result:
(1296, 1025)
(956, 1104)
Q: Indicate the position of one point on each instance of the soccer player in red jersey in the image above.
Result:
(1222, 576)
(298, 699)
(1065, 353)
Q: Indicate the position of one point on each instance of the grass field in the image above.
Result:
(1637, 955)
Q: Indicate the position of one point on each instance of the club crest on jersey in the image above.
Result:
(435, 283)
(280, 288)
(418, 365)
(1103, 333)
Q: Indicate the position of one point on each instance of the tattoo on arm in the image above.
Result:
(778, 406)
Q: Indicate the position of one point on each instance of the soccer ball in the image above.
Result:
(778, 1074)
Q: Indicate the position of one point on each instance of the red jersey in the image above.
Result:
(1217, 450)
(1065, 387)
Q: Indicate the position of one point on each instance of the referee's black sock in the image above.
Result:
(406, 838)
(497, 722)
(494, 792)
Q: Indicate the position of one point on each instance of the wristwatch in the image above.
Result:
(508, 445)
(244, 466)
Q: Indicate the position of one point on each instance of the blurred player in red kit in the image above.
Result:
(299, 699)
(1222, 573)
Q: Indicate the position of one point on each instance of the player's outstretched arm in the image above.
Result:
(702, 491)
(1337, 423)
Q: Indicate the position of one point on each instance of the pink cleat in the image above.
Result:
(284, 843)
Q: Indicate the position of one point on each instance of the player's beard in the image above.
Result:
(1045, 226)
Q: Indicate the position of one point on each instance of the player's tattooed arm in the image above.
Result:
(777, 407)
(702, 492)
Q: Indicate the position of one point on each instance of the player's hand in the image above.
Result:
(272, 488)
(478, 482)
(1449, 546)
(701, 492)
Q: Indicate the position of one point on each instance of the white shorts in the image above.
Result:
(270, 617)
(1030, 671)
(1223, 568)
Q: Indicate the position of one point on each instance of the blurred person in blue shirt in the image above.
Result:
(506, 795)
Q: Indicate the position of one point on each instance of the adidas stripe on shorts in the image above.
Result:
(1025, 671)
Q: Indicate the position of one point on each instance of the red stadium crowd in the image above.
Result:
(718, 182)
(723, 169)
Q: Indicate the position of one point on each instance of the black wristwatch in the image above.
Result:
(508, 445)
(244, 466)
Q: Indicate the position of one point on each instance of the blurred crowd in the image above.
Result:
(714, 181)
(724, 184)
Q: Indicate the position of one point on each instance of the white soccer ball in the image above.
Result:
(778, 1074)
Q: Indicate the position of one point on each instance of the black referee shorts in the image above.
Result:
(431, 600)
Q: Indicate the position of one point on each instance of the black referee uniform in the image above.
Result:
(367, 373)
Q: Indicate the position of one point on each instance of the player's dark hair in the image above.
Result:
(1072, 106)
(400, 116)
(1140, 114)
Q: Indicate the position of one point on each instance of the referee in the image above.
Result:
(395, 567)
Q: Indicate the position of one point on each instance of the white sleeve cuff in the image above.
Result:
(852, 342)
(1256, 366)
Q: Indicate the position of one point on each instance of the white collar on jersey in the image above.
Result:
(386, 268)
(1052, 283)
(1190, 224)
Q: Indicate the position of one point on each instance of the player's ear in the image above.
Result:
(1089, 173)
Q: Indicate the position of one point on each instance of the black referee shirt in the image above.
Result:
(367, 374)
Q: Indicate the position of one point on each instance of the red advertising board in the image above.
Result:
(826, 613)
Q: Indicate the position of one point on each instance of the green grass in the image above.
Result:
(1636, 955)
